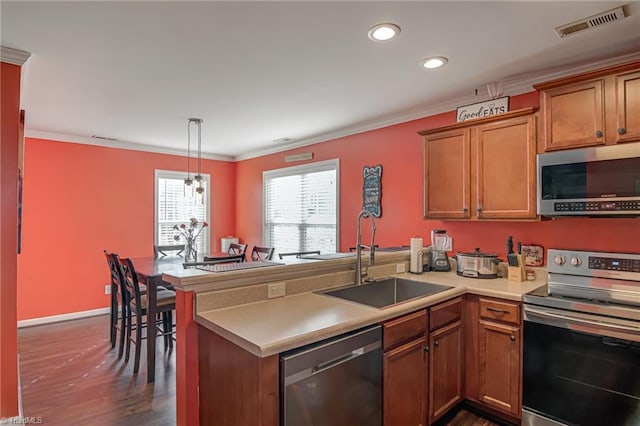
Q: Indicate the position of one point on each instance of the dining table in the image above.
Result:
(149, 271)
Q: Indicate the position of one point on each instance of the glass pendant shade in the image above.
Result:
(188, 187)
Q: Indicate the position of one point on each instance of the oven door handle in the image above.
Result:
(582, 324)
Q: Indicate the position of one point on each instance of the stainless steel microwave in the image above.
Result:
(600, 181)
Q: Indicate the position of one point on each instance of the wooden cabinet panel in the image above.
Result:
(600, 107)
(494, 155)
(403, 329)
(445, 313)
(236, 387)
(573, 115)
(628, 107)
(445, 369)
(500, 367)
(447, 174)
(405, 384)
(506, 169)
(500, 310)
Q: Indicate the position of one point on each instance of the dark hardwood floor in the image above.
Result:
(70, 376)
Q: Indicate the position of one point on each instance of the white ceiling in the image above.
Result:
(260, 71)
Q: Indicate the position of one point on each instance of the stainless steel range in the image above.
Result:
(582, 342)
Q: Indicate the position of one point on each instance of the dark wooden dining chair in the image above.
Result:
(162, 250)
(235, 249)
(137, 309)
(262, 253)
(118, 302)
(298, 253)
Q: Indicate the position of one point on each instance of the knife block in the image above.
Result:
(517, 273)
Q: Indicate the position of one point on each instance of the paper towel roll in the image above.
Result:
(415, 265)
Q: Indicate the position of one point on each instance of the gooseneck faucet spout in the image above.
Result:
(363, 214)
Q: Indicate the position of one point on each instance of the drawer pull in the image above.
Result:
(513, 338)
(500, 311)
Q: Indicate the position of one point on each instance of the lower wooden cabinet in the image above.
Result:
(445, 369)
(405, 384)
(404, 370)
(493, 356)
(500, 366)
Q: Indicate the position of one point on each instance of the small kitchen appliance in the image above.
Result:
(477, 264)
(582, 338)
(597, 181)
(440, 244)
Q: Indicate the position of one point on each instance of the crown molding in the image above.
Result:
(118, 144)
(514, 85)
(13, 56)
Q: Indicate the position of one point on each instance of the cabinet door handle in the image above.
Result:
(464, 209)
(598, 133)
(426, 348)
(622, 130)
(479, 209)
(500, 311)
(436, 344)
(513, 338)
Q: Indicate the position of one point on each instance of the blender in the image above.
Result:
(440, 244)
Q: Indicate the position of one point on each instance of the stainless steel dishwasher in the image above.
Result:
(334, 382)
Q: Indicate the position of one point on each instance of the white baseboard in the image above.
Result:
(63, 317)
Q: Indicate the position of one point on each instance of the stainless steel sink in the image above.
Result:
(387, 292)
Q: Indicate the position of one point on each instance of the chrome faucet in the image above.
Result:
(359, 246)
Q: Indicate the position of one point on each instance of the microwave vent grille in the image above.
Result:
(600, 19)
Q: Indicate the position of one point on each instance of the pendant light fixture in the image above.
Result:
(188, 182)
(198, 180)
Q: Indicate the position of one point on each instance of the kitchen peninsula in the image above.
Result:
(240, 332)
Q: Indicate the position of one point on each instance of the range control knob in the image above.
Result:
(559, 260)
(576, 261)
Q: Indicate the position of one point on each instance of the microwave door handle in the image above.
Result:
(581, 324)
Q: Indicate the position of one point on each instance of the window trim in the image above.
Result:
(317, 166)
(172, 174)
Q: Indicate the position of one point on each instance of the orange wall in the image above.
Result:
(399, 149)
(82, 199)
(10, 122)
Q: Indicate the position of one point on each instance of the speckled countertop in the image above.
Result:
(272, 326)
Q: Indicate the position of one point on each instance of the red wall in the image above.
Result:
(82, 199)
(399, 149)
(9, 141)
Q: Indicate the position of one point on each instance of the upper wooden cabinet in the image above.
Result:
(596, 108)
(483, 169)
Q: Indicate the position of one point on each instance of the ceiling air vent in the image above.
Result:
(603, 18)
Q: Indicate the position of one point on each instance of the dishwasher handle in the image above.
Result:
(344, 358)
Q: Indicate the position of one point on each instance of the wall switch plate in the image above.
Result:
(275, 290)
(107, 289)
(400, 268)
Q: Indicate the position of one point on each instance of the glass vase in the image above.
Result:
(190, 253)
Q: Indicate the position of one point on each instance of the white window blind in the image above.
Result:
(172, 207)
(301, 207)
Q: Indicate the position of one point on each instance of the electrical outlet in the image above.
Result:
(275, 290)
(107, 289)
(400, 268)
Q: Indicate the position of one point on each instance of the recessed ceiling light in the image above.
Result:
(434, 62)
(383, 32)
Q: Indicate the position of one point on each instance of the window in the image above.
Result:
(172, 207)
(301, 207)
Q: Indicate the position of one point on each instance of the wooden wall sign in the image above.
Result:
(482, 109)
(372, 190)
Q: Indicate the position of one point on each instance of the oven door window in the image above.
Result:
(580, 378)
